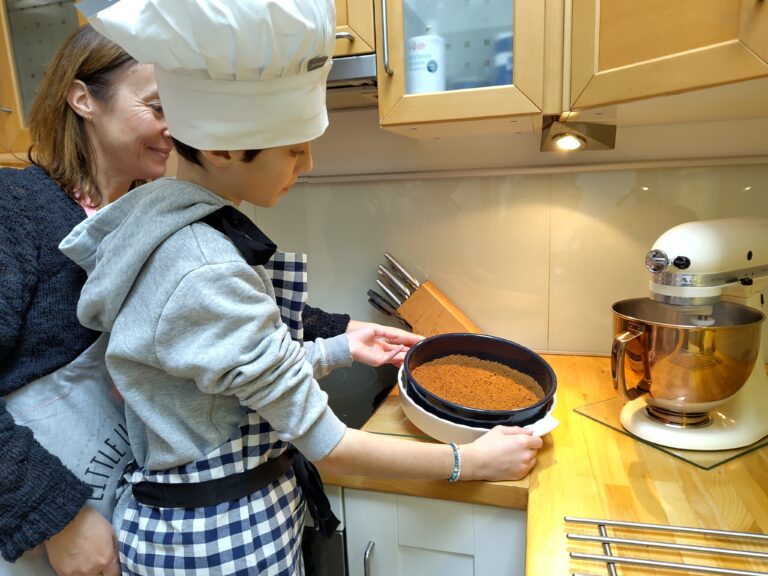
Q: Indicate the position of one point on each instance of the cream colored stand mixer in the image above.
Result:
(690, 360)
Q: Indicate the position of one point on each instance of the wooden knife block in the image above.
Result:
(430, 312)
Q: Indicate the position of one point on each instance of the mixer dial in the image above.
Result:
(656, 261)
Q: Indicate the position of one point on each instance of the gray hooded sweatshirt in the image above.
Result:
(196, 336)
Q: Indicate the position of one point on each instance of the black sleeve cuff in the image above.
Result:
(321, 324)
(38, 495)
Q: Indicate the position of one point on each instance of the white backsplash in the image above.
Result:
(538, 259)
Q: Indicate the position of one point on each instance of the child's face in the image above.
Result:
(270, 174)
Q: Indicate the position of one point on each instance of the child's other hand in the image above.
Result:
(374, 344)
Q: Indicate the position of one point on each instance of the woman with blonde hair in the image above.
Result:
(97, 131)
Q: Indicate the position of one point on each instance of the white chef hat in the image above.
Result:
(232, 74)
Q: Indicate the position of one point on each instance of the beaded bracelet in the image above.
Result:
(456, 463)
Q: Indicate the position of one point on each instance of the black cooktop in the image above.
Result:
(356, 391)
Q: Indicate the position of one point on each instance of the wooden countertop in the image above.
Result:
(587, 469)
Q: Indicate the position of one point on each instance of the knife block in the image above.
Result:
(430, 312)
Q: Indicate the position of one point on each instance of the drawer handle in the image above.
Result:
(345, 36)
(6, 110)
(367, 558)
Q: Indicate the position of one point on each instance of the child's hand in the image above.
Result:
(503, 453)
(374, 344)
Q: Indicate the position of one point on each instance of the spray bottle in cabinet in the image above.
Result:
(425, 63)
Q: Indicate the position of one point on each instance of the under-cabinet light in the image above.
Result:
(568, 141)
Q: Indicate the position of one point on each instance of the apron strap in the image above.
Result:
(252, 243)
(308, 478)
(212, 492)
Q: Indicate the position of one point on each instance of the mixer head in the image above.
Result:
(692, 263)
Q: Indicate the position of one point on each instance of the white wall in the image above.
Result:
(538, 259)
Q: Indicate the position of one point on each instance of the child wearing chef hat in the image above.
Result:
(223, 408)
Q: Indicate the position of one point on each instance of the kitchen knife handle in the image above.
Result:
(379, 307)
(389, 294)
(380, 303)
(409, 279)
(394, 281)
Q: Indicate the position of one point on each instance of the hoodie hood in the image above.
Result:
(113, 245)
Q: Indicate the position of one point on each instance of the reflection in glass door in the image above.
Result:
(37, 30)
(457, 44)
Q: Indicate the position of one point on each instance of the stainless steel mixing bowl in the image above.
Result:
(686, 360)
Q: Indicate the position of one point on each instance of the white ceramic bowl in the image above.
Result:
(446, 431)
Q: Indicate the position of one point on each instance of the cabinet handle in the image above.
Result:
(6, 110)
(345, 36)
(367, 556)
(385, 34)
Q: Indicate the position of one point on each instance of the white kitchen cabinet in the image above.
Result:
(425, 537)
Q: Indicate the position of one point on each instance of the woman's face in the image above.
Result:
(129, 133)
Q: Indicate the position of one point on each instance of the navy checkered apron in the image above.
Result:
(257, 534)
(288, 272)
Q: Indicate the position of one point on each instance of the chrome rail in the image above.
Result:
(612, 560)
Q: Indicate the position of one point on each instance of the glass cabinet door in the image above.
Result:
(444, 63)
(457, 45)
(32, 32)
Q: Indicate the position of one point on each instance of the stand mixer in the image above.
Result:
(695, 344)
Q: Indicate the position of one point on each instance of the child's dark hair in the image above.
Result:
(191, 154)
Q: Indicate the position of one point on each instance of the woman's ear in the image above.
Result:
(80, 100)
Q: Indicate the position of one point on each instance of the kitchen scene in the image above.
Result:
(577, 189)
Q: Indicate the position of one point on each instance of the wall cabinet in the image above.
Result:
(354, 28)
(565, 56)
(625, 50)
(423, 537)
(30, 34)
(442, 62)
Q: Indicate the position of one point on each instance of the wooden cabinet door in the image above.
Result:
(14, 136)
(408, 113)
(354, 27)
(30, 35)
(625, 50)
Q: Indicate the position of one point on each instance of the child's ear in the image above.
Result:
(218, 158)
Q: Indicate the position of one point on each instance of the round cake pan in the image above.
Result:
(484, 347)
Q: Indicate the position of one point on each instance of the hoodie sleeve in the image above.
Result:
(220, 329)
(325, 355)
